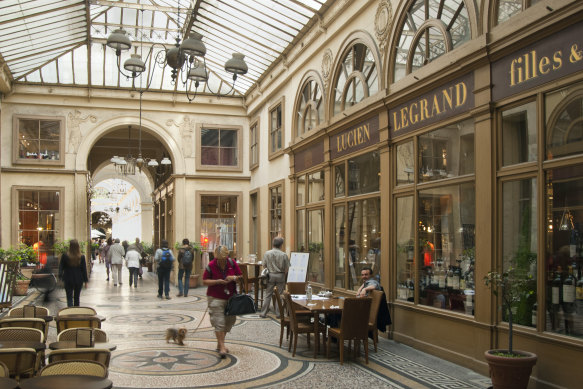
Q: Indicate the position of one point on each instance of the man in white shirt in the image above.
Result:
(116, 254)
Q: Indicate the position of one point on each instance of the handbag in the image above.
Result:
(240, 304)
(265, 274)
(140, 270)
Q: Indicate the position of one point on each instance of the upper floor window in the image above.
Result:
(254, 145)
(310, 107)
(508, 8)
(357, 78)
(38, 140)
(276, 128)
(219, 147)
(431, 29)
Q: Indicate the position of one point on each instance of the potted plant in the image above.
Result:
(149, 252)
(510, 368)
(24, 255)
(193, 281)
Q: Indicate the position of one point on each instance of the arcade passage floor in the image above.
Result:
(137, 321)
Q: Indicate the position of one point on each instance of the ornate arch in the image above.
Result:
(564, 129)
(309, 104)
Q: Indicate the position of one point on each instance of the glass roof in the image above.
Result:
(63, 42)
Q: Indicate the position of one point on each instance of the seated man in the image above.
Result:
(368, 283)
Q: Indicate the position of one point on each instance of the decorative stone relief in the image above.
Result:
(327, 60)
(186, 128)
(75, 119)
(382, 23)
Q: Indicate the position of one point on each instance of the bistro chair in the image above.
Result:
(248, 281)
(20, 312)
(4, 371)
(353, 325)
(84, 354)
(24, 334)
(75, 367)
(299, 327)
(376, 297)
(71, 334)
(64, 322)
(77, 311)
(21, 362)
(283, 318)
(39, 324)
(296, 287)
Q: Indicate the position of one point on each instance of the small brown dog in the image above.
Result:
(177, 335)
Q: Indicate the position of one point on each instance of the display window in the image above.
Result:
(218, 222)
(275, 211)
(38, 140)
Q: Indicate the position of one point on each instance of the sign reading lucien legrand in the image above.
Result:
(548, 59)
(440, 103)
(355, 138)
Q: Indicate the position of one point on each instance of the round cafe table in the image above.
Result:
(8, 383)
(66, 382)
(73, 344)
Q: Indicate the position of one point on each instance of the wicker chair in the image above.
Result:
(26, 334)
(296, 287)
(4, 371)
(25, 322)
(19, 312)
(75, 367)
(21, 362)
(353, 326)
(376, 297)
(84, 354)
(300, 327)
(77, 311)
(71, 334)
(64, 322)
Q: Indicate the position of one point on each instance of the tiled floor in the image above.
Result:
(137, 321)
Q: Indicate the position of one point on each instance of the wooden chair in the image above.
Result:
(4, 371)
(376, 297)
(75, 367)
(77, 311)
(283, 318)
(21, 362)
(38, 312)
(64, 322)
(296, 287)
(71, 334)
(353, 326)
(84, 354)
(24, 322)
(299, 327)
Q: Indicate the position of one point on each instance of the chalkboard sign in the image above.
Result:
(298, 267)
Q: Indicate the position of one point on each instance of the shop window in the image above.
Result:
(405, 228)
(357, 78)
(300, 190)
(405, 163)
(506, 9)
(339, 181)
(316, 187)
(254, 145)
(431, 29)
(301, 230)
(254, 233)
(316, 245)
(447, 152)
(310, 108)
(275, 211)
(38, 140)
(446, 230)
(218, 222)
(219, 147)
(519, 134)
(363, 174)
(564, 134)
(564, 280)
(39, 221)
(276, 129)
(340, 264)
(519, 242)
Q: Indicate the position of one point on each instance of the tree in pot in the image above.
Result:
(509, 368)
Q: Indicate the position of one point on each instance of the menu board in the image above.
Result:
(298, 267)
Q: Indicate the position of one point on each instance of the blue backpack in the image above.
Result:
(166, 262)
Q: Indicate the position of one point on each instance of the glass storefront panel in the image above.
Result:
(519, 134)
(564, 115)
(447, 152)
(316, 245)
(405, 163)
(564, 282)
(446, 228)
(300, 230)
(339, 181)
(340, 252)
(316, 187)
(405, 227)
(300, 190)
(218, 222)
(519, 242)
(363, 174)
(275, 215)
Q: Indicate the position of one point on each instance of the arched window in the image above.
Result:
(505, 9)
(357, 78)
(310, 107)
(565, 129)
(430, 29)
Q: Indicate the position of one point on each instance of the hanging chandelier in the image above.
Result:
(186, 59)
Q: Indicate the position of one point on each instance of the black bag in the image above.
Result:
(187, 257)
(240, 304)
(166, 262)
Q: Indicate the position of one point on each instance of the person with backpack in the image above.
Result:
(165, 260)
(185, 261)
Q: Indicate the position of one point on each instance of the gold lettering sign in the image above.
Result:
(361, 135)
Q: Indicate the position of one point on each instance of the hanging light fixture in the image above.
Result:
(186, 58)
(566, 223)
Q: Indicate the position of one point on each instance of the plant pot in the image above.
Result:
(193, 282)
(21, 287)
(510, 372)
(150, 267)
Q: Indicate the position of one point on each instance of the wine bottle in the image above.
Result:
(534, 314)
(456, 278)
(569, 292)
(556, 285)
(579, 297)
(449, 281)
(440, 276)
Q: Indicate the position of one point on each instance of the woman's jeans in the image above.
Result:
(134, 275)
(183, 273)
(164, 281)
(73, 291)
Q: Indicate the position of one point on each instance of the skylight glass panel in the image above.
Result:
(33, 77)
(97, 64)
(80, 65)
(49, 73)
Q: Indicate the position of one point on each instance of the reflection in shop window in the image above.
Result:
(219, 222)
(519, 134)
(39, 139)
(363, 174)
(316, 187)
(405, 248)
(219, 147)
(565, 128)
(316, 245)
(275, 212)
(405, 163)
(340, 268)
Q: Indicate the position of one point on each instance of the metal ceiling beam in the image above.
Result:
(57, 10)
(122, 4)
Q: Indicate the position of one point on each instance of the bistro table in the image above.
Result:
(8, 383)
(73, 344)
(66, 382)
(317, 306)
(37, 346)
(256, 268)
(80, 317)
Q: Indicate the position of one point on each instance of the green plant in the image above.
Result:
(511, 286)
(62, 246)
(23, 254)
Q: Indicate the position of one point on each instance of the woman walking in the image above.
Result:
(73, 272)
(221, 276)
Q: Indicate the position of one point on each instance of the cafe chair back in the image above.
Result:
(21, 362)
(296, 287)
(26, 322)
(353, 326)
(75, 367)
(22, 333)
(77, 311)
(248, 281)
(71, 334)
(283, 318)
(19, 312)
(64, 322)
(298, 326)
(376, 297)
(4, 371)
(85, 354)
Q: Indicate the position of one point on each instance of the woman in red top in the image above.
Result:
(221, 277)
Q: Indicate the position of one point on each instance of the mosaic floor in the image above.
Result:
(137, 321)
